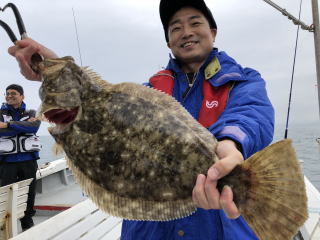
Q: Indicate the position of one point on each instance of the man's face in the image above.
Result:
(190, 36)
(14, 98)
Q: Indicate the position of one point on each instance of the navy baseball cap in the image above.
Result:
(16, 87)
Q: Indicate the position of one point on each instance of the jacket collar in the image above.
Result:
(6, 106)
(218, 68)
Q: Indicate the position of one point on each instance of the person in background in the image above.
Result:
(18, 162)
(227, 99)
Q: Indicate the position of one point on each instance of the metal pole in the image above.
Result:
(295, 20)
(315, 14)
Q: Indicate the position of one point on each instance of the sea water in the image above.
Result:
(304, 138)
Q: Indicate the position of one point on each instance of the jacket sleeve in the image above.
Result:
(18, 127)
(249, 116)
(24, 126)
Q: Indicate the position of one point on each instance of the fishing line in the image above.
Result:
(75, 25)
(292, 75)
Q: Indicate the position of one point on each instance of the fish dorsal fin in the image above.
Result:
(95, 77)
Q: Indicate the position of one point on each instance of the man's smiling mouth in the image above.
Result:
(188, 44)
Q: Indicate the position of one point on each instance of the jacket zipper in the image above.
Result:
(190, 85)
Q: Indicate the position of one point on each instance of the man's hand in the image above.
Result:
(32, 119)
(23, 51)
(3, 125)
(205, 193)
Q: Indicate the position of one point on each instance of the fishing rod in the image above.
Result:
(292, 75)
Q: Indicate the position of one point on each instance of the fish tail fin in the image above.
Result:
(269, 191)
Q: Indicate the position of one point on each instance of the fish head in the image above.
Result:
(60, 91)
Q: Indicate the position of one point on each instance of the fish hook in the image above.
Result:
(36, 58)
(9, 31)
(21, 27)
(20, 24)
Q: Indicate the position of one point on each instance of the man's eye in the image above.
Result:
(175, 29)
(196, 23)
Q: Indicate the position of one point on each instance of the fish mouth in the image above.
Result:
(61, 116)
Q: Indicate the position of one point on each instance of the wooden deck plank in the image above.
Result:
(21, 208)
(102, 229)
(24, 183)
(58, 223)
(3, 206)
(3, 197)
(22, 199)
(4, 189)
(82, 227)
(83, 221)
(114, 234)
(23, 190)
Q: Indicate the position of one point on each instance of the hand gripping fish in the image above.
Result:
(137, 153)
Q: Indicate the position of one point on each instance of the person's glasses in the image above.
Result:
(7, 94)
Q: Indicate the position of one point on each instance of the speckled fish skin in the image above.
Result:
(128, 138)
(137, 152)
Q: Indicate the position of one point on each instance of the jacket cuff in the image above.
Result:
(238, 145)
(235, 134)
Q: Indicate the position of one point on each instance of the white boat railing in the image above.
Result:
(51, 167)
(311, 228)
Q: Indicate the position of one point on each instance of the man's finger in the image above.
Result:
(211, 190)
(229, 157)
(198, 193)
(227, 203)
(25, 67)
(225, 166)
(12, 50)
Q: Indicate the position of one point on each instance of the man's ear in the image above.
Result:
(168, 45)
(214, 33)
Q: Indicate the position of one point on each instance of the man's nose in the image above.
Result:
(187, 32)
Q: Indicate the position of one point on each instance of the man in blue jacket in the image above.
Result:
(230, 101)
(18, 162)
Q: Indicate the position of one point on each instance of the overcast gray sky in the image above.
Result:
(123, 40)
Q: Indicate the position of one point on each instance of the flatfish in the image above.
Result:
(137, 152)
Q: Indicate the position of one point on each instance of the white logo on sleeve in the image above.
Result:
(212, 104)
(7, 118)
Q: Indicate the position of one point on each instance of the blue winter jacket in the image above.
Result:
(18, 124)
(248, 119)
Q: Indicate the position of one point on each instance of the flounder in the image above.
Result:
(137, 152)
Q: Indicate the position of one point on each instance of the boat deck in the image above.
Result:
(311, 228)
(50, 203)
(67, 195)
